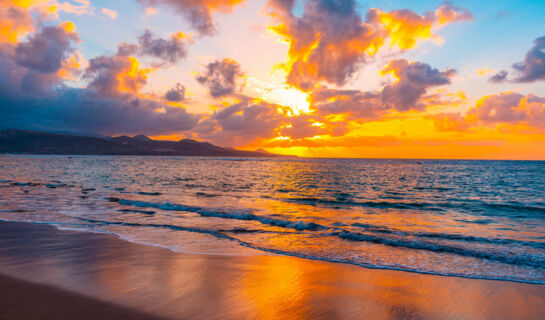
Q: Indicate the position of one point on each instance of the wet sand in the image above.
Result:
(111, 275)
(24, 300)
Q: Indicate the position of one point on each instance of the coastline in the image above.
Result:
(108, 273)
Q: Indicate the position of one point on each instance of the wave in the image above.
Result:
(167, 206)
(448, 236)
(93, 225)
(149, 193)
(467, 206)
(369, 204)
(522, 260)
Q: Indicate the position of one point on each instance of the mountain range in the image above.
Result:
(32, 142)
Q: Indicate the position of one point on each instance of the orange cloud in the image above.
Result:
(112, 14)
(504, 111)
(111, 76)
(448, 13)
(16, 15)
(329, 42)
(15, 21)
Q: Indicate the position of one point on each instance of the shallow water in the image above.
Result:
(479, 219)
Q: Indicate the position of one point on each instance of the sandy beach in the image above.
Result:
(87, 275)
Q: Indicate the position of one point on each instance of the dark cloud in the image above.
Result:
(413, 79)
(82, 110)
(533, 66)
(358, 104)
(171, 50)
(221, 77)
(176, 94)
(241, 123)
(46, 50)
(303, 126)
(33, 96)
(127, 49)
(499, 77)
(198, 12)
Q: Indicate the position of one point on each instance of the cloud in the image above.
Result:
(79, 8)
(533, 66)
(444, 122)
(33, 95)
(168, 50)
(499, 77)
(409, 91)
(176, 94)
(505, 108)
(46, 50)
(122, 73)
(413, 79)
(330, 41)
(510, 108)
(150, 11)
(171, 50)
(112, 14)
(240, 124)
(198, 12)
(114, 75)
(14, 23)
(448, 13)
(221, 77)
(303, 126)
(82, 110)
(16, 16)
(357, 104)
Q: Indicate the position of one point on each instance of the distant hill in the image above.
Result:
(32, 142)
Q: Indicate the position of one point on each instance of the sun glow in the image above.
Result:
(290, 97)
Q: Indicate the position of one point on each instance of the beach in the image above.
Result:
(104, 274)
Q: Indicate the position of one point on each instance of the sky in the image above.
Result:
(317, 78)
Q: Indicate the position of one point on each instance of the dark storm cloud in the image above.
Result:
(221, 77)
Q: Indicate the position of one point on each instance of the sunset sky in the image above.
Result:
(322, 78)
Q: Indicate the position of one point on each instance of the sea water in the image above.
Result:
(476, 219)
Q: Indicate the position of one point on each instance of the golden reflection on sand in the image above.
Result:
(251, 287)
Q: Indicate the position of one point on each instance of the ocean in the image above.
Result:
(473, 219)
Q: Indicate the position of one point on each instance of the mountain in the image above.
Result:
(32, 142)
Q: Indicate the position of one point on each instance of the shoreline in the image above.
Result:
(173, 285)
